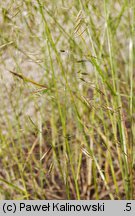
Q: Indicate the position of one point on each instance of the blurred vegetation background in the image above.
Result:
(67, 111)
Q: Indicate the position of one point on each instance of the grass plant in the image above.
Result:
(67, 110)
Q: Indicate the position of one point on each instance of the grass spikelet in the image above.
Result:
(79, 28)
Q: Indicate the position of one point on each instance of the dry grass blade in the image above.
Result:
(6, 44)
(28, 80)
(45, 153)
(50, 169)
(86, 152)
(30, 153)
